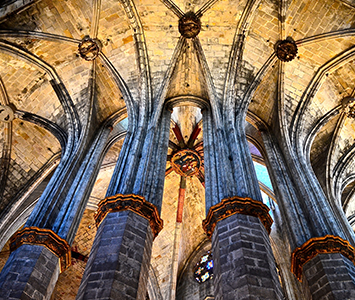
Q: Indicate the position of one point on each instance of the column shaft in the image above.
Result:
(311, 222)
(119, 261)
(330, 276)
(244, 263)
(54, 220)
(30, 273)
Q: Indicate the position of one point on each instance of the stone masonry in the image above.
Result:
(330, 276)
(30, 273)
(119, 262)
(244, 263)
(67, 112)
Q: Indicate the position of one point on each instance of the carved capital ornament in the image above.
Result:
(313, 247)
(135, 203)
(236, 205)
(46, 238)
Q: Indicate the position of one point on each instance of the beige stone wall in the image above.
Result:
(4, 255)
(69, 281)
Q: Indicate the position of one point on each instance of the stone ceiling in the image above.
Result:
(140, 39)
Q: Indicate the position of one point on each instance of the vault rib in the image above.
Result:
(37, 34)
(173, 7)
(296, 125)
(96, 18)
(6, 150)
(142, 55)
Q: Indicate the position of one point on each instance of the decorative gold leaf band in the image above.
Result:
(314, 246)
(236, 205)
(131, 202)
(46, 238)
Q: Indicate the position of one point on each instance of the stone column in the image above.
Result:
(321, 258)
(41, 250)
(244, 263)
(37, 258)
(325, 265)
(30, 273)
(321, 276)
(127, 219)
(114, 270)
(119, 261)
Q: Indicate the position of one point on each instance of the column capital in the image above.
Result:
(327, 244)
(236, 205)
(43, 237)
(132, 202)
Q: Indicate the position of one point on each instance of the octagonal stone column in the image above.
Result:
(244, 263)
(120, 257)
(119, 261)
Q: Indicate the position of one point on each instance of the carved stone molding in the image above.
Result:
(89, 48)
(286, 50)
(131, 202)
(236, 205)
(46, 238)
(313, 247)
(189, 25)
(6, 113)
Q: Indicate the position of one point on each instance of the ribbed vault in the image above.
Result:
(61, 101)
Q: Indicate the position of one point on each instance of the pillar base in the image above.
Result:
(30, 273)
(118, 265)
(244, 264)
(330, 276)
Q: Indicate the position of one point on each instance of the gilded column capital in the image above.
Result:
(318, 245)
(43, 237)
(132, 202)
(236, 205)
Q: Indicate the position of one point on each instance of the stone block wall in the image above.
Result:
(31, 273)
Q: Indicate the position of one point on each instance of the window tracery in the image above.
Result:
(203, 270)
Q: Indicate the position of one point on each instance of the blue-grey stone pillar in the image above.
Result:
(119, 261)
(30, 273)
(322, 256)
(244, 262)
(128, 218)
(330, 276)
(326, 267)
(237, 219)
(120, 257)
(41, 250)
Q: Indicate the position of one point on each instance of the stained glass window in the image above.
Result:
(203, 270)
